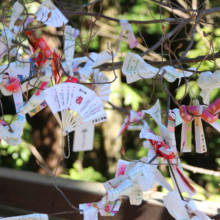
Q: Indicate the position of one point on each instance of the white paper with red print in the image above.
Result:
(68, 98)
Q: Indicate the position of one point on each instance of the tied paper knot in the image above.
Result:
(196, 113)
(161, 148)
(126, 27)
(123, 188)
(164, 147)
(141, 174)
(98, 59)
(209, 114)
(90, 210)
(192, 208)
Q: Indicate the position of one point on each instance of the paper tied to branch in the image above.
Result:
(208, 81)
(135, 117)
(17, 10)
(124, 188)
(86, 71)
(19, 68)
(192, 208)
(130, 122)
(155, 113)
(178, 119)
(147, 181)
(57, 19)
(29, 217)
(102, 90)
(98, 59)
(12, 138)
(121, 166)
(172, 74)
(34, 82)
(164, 148)
(13, 87)
(103, 57)
(135, 68)
(7, 37)
(174, 205)
(127, 31)
(32, 103)
(69, 47)
(90, 210)
(179, 208)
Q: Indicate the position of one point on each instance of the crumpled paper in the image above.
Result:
(192, 208)
(98, 59)
(135, 68)
(12, 138)
(208, 81)
(174, 205)
(102, 90)
(21, 68)
(57, 18)
(91, 210)
(179, 208)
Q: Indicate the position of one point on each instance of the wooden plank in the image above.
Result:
(36, 193)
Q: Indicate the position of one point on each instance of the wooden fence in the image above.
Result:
(23, 192)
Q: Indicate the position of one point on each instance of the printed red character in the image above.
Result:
(79, 100)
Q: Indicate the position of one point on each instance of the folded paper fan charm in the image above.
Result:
(55, 20)
(74, 106)
(85, 105)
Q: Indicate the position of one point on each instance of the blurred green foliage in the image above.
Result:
(85, 174)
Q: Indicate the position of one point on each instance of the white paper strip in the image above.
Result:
(208, 81)
(83, 139)
(29, 217)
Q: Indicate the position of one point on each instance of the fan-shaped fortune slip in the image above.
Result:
(57, 18)
(77, 106)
